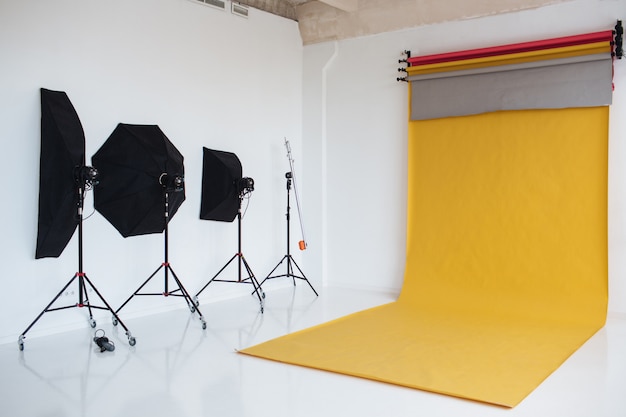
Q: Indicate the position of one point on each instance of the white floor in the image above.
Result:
(176, 369)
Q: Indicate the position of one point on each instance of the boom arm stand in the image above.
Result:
(290, 261)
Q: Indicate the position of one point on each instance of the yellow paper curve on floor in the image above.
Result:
(506, 260)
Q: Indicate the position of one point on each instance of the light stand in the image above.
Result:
(166, 267)
(83, 281)
(288, 257)
(251, 279)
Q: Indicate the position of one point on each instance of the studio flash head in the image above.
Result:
(174, 183)
(245, 185)
(86, 175)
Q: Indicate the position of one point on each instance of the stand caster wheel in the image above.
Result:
(192, 308)
(92, 323)
(203, 324)
(196, 301)
(132, 341)
(20, 342)
(114, 321)
(263, 294)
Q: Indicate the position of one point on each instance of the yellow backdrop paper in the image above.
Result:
(506, 265)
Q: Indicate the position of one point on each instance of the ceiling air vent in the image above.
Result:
(218, 4)
(239, 10)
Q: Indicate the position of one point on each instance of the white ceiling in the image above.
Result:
(326, 20)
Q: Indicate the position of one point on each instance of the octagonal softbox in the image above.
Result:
(131, 164)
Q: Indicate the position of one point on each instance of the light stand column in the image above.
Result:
(251, 279)
(83, 281)
(167, 268)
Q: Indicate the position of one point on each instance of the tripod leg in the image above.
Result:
(116, 319)
(214, 276)
(187, 297)
(269, 276)
(84, 298)
(138, 289)
(257, 287)
(290, 270)
(304, 277)
(20, 341)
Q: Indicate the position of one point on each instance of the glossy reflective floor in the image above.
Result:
(176, 369)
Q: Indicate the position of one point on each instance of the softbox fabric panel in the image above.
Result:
(220, 197)
(130, 164)
(62, 151)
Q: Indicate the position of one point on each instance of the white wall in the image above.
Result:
(353, 103)
(207, 78)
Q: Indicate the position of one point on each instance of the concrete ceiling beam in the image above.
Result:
(345, 5)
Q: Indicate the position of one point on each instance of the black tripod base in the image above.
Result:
(178, 292)
(83, 301)
(251, 279)
(289, 273)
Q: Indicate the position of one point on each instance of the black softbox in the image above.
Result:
(62, 152)
(132, 164)
(63, 181)
(221, 172)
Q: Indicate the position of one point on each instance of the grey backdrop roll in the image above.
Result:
(583, 81)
